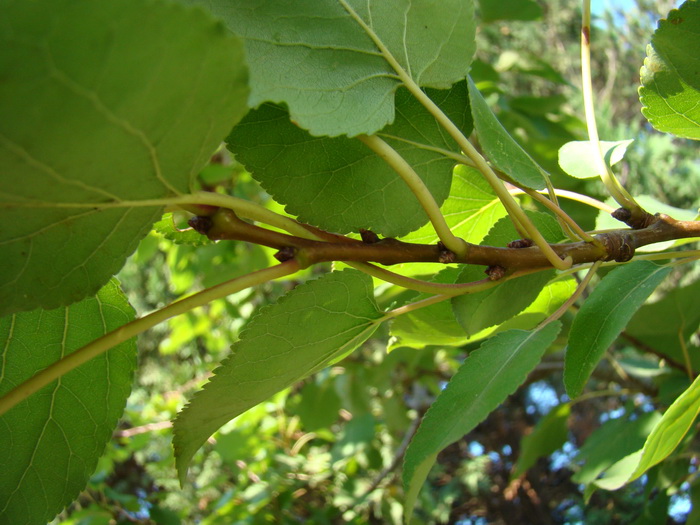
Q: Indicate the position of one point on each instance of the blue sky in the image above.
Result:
(598, 6)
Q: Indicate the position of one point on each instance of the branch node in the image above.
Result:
(619, 247)
(287, 253)
(200, 224)
(520, 243)
(636, 222)
(495, 272)
(368, 236)
(445, 256)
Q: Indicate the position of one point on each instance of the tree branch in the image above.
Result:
(618, 245)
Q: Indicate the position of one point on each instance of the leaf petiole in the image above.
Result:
(129, 330)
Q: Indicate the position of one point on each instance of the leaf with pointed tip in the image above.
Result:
(101, 103)
(500, 147)
(614, 440)
(487, 377)
(308, 328)
(341, 185)
(604, 315)
(314, 56)
(666, 435)
(51, 441)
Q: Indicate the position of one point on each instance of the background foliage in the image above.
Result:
(329, 449)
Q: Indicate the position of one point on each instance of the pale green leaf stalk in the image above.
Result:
(616, 190)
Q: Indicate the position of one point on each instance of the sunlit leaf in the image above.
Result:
(315, 58)
(470, 211)
(488, 376)
(670, 91)
(604, 315)
(167, 228)
(101, 103)
(431, 325)
(51, 441)
(480, 310)
(614, 440)
(300, 334)
(666, 435)
(577, 158)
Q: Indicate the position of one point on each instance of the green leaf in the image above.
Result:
(604, 315)
(666, 324)
(315, 58)
(431, 325)
(666, 435)
(470, 211)
(605, 221)
(493, 10)
(487, 377)
(338, 183)
(614, 440)
(670, 431)
(549, 435)
(577, 158)
(480, 310)
(677, 40)
(167, 228)
(670, 91)
(500, 147)
(51, 441)
(312, 325)
(101, 103)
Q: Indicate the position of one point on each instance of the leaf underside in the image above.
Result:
(312, 325)
(91, 112)
(315, 58)
(51, 441)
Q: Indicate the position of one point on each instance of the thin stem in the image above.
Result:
(129, 330)
(561, 214)
(517, 214)
(449, 290)
(619, 193)
(242, 207)
(686, 355)
(571, 300)
(572, 195)
(419, 189)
